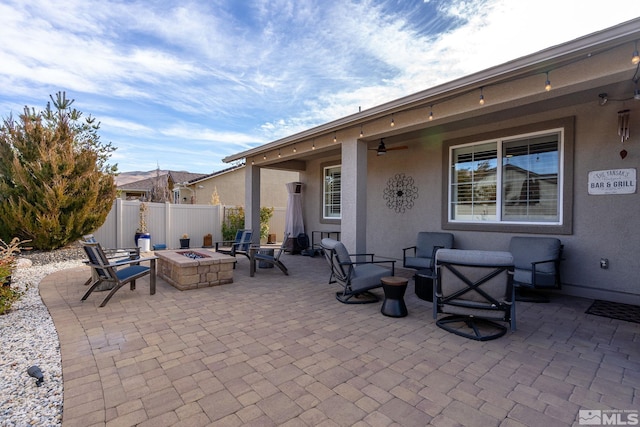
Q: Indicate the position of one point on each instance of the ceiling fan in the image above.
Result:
(382, 149)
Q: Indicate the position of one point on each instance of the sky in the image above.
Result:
(180, 85)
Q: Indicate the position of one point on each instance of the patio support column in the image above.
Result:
(252, 200)
(354, 196)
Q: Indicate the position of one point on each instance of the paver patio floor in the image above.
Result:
(281, 350)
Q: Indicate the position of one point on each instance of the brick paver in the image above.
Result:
(280, 350)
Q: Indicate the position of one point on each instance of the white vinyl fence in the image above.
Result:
(167, 222)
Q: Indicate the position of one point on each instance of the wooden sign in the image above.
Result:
(612, 181)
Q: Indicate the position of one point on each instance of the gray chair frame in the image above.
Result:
(114, 255)
(118, 274)
(476, 289)
(358, 274)
(256, 256)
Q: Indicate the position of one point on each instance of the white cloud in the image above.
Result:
(235, 74)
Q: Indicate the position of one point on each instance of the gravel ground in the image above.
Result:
(28, 337)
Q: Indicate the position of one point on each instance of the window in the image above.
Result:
(507, 180)
(331, 190)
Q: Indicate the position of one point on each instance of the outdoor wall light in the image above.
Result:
(481, 102)
(635, 58)
(547, 84)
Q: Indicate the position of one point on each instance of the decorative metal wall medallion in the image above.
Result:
(400, 193)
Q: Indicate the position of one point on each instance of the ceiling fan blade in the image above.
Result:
(401, 147)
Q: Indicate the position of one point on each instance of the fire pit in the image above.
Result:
(193, 255)
(190, 269)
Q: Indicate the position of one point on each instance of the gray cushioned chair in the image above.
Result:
(537, 266)
(356, 273)
(476, 289)
(420, 256)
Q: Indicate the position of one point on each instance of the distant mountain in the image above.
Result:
(127, 177)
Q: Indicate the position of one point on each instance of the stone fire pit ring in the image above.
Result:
(195, 268)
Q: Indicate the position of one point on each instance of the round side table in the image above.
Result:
(394, 289)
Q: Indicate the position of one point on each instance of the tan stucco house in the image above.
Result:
(569, 137)
(229, 186)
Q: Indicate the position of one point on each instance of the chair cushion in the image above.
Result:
(417, 263)
(367, 276)
(426, 241)
(475, 257)
(526, 250)
(341, 252)
(134, 270)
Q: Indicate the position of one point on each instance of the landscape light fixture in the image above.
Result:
(36, 373)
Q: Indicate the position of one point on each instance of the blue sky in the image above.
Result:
(182, 84)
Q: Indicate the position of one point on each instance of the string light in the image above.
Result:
(253, 162)
(393, 123)
(279, 155)
(335, 137)
(547, 84)
(294, 149)
(481, 102)
(264, 157)
(361, 132)
(635, 58)
(431, 113)
(313, 145)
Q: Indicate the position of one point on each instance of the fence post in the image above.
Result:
(119, 223)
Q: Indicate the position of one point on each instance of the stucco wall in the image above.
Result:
(603, 226)
(231, 188)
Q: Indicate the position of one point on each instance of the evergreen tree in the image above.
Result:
(55, 182)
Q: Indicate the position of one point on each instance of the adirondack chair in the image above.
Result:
(240, 245)
(115, 255)
(263, 257)
(118, 274)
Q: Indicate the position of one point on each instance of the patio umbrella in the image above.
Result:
(293, 223)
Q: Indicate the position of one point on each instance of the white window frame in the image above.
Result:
(325, 192)
(499, 179)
